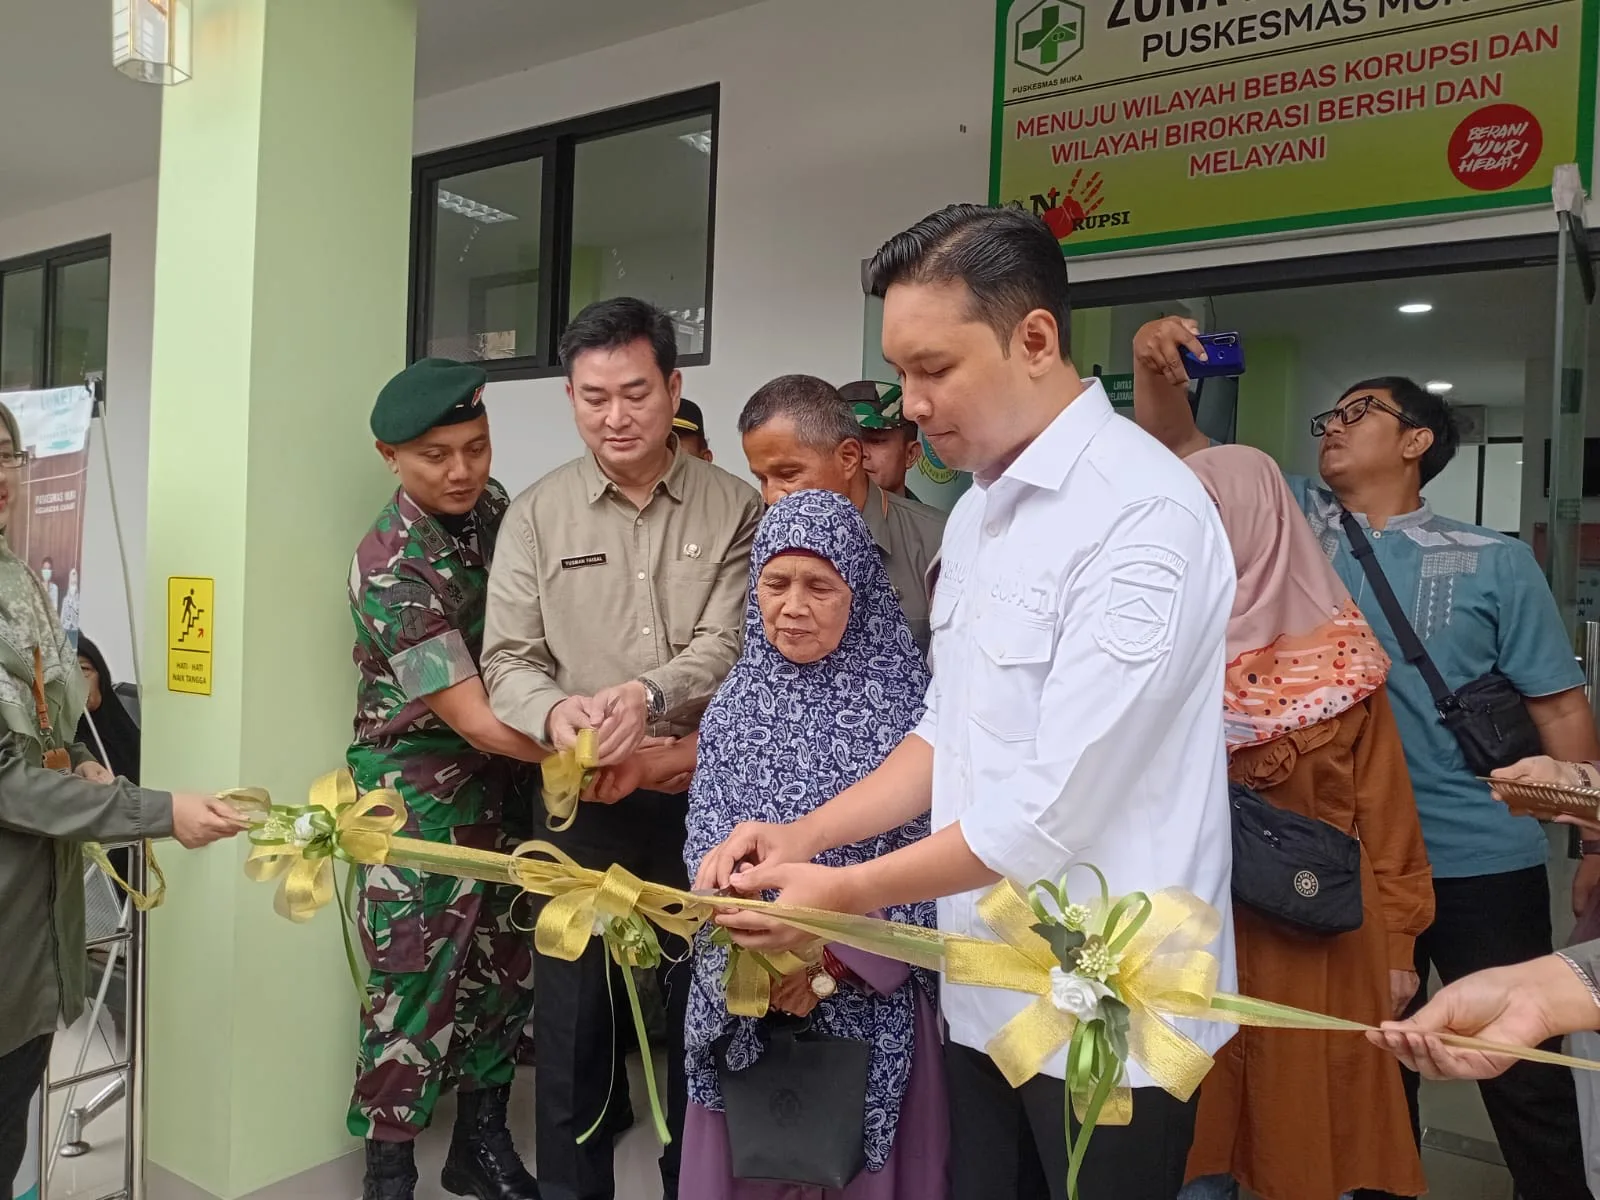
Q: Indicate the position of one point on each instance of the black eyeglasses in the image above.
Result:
(12, 459)
(1350, 411)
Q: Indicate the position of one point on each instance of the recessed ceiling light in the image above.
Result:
(473, 210)
(1439, 387)
(1416, 309)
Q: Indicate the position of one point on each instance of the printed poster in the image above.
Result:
(46, 528)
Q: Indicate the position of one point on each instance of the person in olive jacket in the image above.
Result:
(54, 796)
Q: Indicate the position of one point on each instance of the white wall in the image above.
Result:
(841, 123)
(128, 215)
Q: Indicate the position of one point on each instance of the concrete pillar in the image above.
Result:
(280, 306)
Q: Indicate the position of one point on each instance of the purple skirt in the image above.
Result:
(916, 1169)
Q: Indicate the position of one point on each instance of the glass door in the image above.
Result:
(1572, 575)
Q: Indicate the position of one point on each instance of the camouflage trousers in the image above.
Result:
(450, 987)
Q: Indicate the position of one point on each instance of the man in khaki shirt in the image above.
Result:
(799, 433)
(616, 602)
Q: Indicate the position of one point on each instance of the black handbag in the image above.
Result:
(795, 1115)
(1488, 717)
(1292, 868)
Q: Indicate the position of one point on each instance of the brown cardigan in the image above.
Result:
(1309, 1116)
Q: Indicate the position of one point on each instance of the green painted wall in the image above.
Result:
(279, 311)
(1267, 398)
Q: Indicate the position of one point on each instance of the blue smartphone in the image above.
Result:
(1224, 357)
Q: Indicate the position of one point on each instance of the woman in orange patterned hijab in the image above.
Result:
(1292, 1115)
(1299, 651)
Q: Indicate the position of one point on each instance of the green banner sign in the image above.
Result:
(1134, 123)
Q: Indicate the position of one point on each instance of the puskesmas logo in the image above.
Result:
(1047, 35)
(1080, 207)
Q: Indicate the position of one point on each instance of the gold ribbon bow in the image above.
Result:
(1164, 966)
(298, 845)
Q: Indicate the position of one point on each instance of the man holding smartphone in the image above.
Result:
(1480, 605)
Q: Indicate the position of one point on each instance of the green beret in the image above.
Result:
(876, 405)
(428, 393)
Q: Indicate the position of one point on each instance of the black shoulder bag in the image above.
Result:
(1488, 717)
(1293, 868)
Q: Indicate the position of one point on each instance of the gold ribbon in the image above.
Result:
(143, 901)
(1164, 971)
(299, 845)
(563, 778)
(1163, 963)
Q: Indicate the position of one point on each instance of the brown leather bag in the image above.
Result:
(57, 759)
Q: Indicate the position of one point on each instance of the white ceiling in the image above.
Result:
(74, 125)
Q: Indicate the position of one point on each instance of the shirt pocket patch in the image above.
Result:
(684, 598)
(1011, 672)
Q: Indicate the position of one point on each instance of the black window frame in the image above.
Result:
(555, 145)
(51, 261)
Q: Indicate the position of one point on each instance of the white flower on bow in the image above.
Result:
(1076, 994)
(305, 830)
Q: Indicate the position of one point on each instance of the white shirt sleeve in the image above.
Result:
(1140, 626)
(927, 729)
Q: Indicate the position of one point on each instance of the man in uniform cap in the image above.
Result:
(690, 428)
(799, 433)
(450, 985)
(890, 442)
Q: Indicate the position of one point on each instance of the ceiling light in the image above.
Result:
(151, 40)
(699, 141)
(1439, 387)
(473, 210)
(1416, 309)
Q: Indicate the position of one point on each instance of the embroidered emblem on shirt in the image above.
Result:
(583, 560)
(1139, 602)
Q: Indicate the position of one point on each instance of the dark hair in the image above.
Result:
(1427, 411)
(822, 420)
(612, 324)
(1008, 259)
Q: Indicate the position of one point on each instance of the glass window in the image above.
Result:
(22, 329)
(82, 305)
(658, 250)
(486, 236)
(1502, 486)
(517, 234)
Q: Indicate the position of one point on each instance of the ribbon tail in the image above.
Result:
(611, 1077)
(644, 1053)
(346, 897)
(1029, 1040)
(143, 901)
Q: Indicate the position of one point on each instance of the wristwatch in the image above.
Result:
(655, 702)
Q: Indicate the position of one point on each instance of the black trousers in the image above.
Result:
(1011, 1143)
(1493, 921)
(574, 1026)
(21, 1073)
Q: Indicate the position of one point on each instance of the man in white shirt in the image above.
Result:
(1076, 711)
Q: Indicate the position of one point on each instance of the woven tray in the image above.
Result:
(1548, 800)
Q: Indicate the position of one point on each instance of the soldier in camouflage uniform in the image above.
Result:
(451, 976)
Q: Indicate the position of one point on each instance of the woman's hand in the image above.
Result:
(1403, 986)
(200, 820)
(793, 995)
(799, 885)
(1522, 1005)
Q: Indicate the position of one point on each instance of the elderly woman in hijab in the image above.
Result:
(53, 797)
(107, 728)
(829, 683)
(1295, 1115)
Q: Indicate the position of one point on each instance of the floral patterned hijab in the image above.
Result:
(1299, 650)
(781, 739)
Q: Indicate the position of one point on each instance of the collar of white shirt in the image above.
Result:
(1047, 460)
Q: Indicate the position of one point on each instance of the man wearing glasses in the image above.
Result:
(1480, 604)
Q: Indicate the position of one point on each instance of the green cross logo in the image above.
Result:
(1047, 35)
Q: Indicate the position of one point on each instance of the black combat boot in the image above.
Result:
(482, 1160)
(391, 1172)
